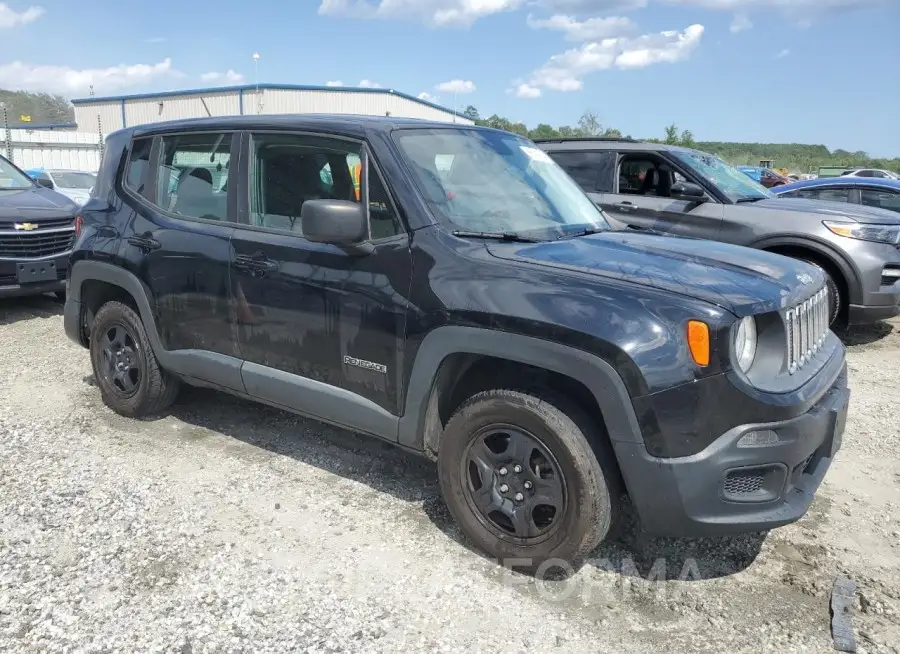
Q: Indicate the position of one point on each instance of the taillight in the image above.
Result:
(79, 223)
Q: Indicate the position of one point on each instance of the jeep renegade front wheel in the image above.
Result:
(130, 379)
(521, 479)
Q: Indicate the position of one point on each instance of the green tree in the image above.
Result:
(40, 107)
(589, 124)
(472, 113)
(687, 139)
(543, 131)
(672, 134)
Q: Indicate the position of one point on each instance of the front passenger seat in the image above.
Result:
(194, 194)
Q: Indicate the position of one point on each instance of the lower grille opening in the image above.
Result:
(890, 275)
(760, 484)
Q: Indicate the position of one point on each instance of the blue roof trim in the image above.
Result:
(274, 87)
(43, 125)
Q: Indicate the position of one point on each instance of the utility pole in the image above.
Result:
(9, 151)
(256, 71)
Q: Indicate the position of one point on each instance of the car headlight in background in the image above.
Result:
(863, 232)
(745, 341)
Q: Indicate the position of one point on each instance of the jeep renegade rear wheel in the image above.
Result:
(519, 475)
(130, 379)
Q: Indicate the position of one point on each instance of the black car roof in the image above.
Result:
(606, 143)
(342, 123)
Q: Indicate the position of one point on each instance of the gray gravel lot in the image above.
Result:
(228, 527)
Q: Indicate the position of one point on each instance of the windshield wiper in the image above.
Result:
(748, 199)
(510, 237)
(587, 231)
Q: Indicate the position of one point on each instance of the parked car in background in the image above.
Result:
(37, 228)
(765, 176)
(831, 171)
(868, 191)
(74, 184)
(486, 317)
(685, 192)
(871, 172)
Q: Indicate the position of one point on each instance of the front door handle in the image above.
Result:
(625, 206)
(257, 264)
(145, 242)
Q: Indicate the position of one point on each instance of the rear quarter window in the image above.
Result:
(138, 165)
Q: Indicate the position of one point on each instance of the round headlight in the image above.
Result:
(745, 343)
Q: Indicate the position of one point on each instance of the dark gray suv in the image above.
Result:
(684, 192)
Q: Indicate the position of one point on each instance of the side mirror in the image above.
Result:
(339, 222)
(46, 183)
(689, 192)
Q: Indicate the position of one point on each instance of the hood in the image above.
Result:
(741, 280)
(78, 195)
(831, 210)
(33, 204)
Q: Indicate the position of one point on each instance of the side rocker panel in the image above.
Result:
(596, 374)
(221, 369)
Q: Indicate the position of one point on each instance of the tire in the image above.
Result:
(149, 389)
(835, 299)
(589, 480)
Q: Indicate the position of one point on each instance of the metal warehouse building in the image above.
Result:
(107, 114)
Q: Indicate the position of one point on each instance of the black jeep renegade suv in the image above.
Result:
(463, 298)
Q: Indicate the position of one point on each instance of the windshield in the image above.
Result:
(11, 178)
(74, 180)
(487, 181)
(730, 181)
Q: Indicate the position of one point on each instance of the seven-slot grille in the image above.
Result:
(50, 238)
(807, 326)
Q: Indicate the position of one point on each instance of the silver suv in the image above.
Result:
(685, 192)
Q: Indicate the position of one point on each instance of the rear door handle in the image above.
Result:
(257, 264)
(145, 242)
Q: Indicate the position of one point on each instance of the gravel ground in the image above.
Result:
(228, 527)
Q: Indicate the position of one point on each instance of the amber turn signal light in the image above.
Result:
(698, 341)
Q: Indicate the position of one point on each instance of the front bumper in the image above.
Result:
(45, 275)
(731, 488)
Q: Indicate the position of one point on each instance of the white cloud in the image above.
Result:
(588, 30)
(787, 6)
(526, 91)
(425, 95)
(564, 72)
(74, 81)
(156, 39)
(336, 82)
(592, 7)
(229, 77)
(11, 18)
(368, 84)
(437, 13)
(784, 53)
(740, 23)
(456, 86)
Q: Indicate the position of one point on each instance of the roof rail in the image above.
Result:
(586, 138)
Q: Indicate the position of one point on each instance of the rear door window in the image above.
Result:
(192, 175)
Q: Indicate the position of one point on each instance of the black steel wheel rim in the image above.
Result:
(120, 363)
(513, 484)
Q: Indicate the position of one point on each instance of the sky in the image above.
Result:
(804, 71)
